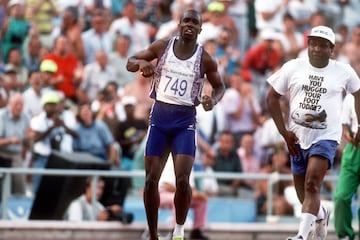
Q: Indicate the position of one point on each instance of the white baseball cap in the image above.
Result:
(268, 34)
(323, 32)
(14, 2)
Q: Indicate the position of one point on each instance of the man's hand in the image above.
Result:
(207, 103)
(292, 141)
(146, 68)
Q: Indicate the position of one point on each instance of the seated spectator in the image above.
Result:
(140, 88)
(209, 185)
(280, 164)
(227, 160)
(15, 62)
(14, 139)
(48, 128)
(94, 136)
(167, 187)
(14, 30)
(83, 209)
(130, 132)
(249, 159)
(32, 95)
(95, 77)
(118, 59)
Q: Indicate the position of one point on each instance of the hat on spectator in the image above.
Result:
(129, 100)
(14, 2)
(48, 65)
(323, 32)
(216, 7)
(50, 97)
(268, 34)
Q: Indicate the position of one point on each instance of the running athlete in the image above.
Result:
(178, 77)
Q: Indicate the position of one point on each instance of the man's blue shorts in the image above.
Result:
(171, 128)
(324, 148)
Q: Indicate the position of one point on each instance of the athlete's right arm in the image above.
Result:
(141, 61)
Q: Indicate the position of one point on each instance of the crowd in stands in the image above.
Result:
(64, 83)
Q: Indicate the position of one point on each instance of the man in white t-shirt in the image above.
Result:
(315, 86)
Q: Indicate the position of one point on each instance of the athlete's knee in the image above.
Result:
(312, 185)
(182, 184)
(151, 183)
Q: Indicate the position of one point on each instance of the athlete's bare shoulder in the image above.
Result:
(208, 63)
(159, 46)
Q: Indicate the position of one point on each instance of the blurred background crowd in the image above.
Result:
(64, 84)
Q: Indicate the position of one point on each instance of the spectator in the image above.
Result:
(213, 26)
(15, 84)
(48, 69)
(71, 27)
(167, 187)
(113, 109)
(32, 52)
(91, 6)
(338, 49)
(68, 75)
(227, 52)
(83, 209)
(249, 158)
(47, 128)
(351, 49)
(239, 12)
(316, 19)
(130, 132)
(96, 38)
(290, 39)
(68, 117)
(129, 25)
(95, 77)
(271, 140)
(209, 185)
(241, 108)
(15, 139)
(40, 14)
(15, 29)
(262, 59)
(15, 62)
(279, 164)
(301, 10)
(32, 96)
(96, 139)
(94, 136)
(270, 14)
(227, 160)
(118, 59)
(170, 28)
(105, 109)
(140, 90)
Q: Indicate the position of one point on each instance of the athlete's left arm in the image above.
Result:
(211, 71)
(357, 110)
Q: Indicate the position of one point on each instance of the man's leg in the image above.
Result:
(346, 187)
(316, 171)
(153, 168)
(183, 165)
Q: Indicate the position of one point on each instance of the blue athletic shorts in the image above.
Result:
(171, 128)
(324, 148)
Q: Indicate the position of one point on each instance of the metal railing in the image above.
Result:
(6, 173)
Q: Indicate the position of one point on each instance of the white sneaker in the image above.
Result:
(320, 231)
